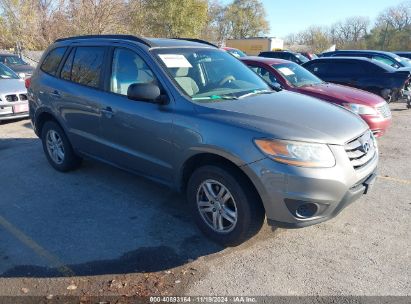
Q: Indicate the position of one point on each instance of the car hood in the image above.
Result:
(8, 86)
(288, 115)
(342, 94)
(23, 68)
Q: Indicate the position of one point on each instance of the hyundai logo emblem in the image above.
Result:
(366, 147)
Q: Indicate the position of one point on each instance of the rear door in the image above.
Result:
(79, 94)
(137, 134)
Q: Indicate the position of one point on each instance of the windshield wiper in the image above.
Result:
(256, 93)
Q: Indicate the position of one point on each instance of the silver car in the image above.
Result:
(193, 117)
(13, 95)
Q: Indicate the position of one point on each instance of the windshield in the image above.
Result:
(6, 73)
(404, 61)
(296, 74)
(208, 75)
(236, 53)
(302, 58)
(13, 60)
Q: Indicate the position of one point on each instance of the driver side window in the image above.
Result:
(128, 68)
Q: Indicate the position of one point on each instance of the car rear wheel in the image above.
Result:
(223, 205)
(57, 148)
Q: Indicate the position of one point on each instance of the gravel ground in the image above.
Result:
(101, 231)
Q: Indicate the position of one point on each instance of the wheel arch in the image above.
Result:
(206, 158)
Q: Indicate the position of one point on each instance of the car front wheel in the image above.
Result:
(224, 206)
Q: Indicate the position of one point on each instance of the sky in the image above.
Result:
(292, 16)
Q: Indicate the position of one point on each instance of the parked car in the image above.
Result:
(13, 95)
(308, 55)
(385, 57)
(195, 118)
(286, 55)
(235, 52)
(366, 74)
(403, 54)
(372, 108)
(18, 65)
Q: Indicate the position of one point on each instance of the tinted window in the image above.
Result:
(345, 68)
(52, 61)
(386, 60)
(66, 70)
(128, 68)
(270, 55)
(87, 64)
(318, 67)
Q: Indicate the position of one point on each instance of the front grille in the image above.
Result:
(12, 98)
(16, 97)
(22, 97)
(384, 110)
(361, 150)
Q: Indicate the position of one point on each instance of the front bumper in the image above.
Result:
(7, 112)
(378, 125)
(284, 189)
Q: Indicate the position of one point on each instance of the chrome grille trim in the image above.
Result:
(356, 150)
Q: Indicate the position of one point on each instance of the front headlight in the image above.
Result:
(297, 153)
(361, 109)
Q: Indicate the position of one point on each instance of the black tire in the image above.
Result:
(70, 161)
(250, 212)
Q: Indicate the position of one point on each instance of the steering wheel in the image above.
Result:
(226, 79)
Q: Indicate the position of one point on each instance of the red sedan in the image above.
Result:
(290, 76)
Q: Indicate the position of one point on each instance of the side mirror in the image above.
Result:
(145, 92)
(276, 86)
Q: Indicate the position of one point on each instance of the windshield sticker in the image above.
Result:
(175, 61)
(286, 71)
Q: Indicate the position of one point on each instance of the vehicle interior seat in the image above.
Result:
(186, 82)
(129, 70)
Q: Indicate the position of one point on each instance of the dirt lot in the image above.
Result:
(102, 231)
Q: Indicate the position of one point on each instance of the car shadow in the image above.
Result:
(399, 110)
(95, 220)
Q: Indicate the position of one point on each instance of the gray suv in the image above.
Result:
(188, 115)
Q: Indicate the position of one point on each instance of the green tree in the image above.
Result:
(247, 18)
(175, 18)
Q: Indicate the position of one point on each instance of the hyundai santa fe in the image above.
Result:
(193, 117)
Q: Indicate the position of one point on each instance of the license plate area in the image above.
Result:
(21, 108)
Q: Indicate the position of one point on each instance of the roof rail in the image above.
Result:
(110, 36)
(198, 40)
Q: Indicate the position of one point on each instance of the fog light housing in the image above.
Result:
(305, 209)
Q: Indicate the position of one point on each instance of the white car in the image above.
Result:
(13, 95)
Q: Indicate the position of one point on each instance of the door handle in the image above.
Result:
(108, 112)
(55, 93)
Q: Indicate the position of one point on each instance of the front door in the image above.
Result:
(138, 134)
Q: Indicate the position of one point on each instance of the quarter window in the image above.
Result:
(87, 65)
(52, 60)
(128, 68)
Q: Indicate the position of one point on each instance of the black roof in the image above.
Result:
(361, 51)
(373, 61)
(150, 42)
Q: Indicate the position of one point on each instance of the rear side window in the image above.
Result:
(66, 70)
(318, 68)
(345, 68)
(52, 60)
(86, 66)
